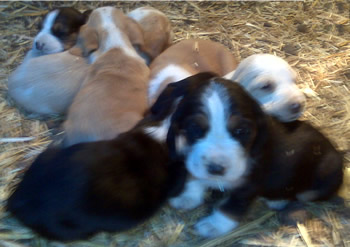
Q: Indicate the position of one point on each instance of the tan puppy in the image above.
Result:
(186, 58)
(113, 97)
(156, 28)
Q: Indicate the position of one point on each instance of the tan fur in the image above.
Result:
(114, 94)
(157, 30)
(47, 84)
(193, 56)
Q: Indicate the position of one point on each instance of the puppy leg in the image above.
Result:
(191, 197)
(226, 218)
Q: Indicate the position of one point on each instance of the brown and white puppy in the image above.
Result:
(186, 58)
(157, 30)
(271, 81)
(227, 142)
(113, 97)
(59, 30)
(48, 79)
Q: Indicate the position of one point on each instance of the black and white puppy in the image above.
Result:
(228, 143)
(59, 30)
(73, 193)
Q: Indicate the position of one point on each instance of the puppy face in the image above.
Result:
(109, 28)
(271, 81)
(59, 30)
(214, 129)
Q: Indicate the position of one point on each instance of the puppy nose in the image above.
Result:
(295, 107)
(39, 45)
(216, 169)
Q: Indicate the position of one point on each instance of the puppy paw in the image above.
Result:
(277, 204)
(215, 225)
(185, 202)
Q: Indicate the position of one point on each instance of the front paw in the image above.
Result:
(185, 202)
(215, 225)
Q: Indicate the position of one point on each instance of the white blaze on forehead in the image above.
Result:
(114, 38)
(173, 72)
(49, 21)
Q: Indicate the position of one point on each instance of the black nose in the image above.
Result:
(39, 46)
(215, 169)
(295, 107)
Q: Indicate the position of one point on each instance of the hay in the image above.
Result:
(314, 37)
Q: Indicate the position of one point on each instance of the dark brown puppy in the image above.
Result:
(73, 193)
(228, 143)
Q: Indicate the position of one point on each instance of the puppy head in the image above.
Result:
(59, 30)
(215, 129)
(156, 28)
(271, 81)
(109, 28)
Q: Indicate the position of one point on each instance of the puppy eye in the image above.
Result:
(267, 86)
(240, 131)
(195, 128)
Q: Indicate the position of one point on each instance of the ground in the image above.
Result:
(313, 36)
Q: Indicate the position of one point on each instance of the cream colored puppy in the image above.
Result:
(156, 28)
(271, 81)
(113, 97)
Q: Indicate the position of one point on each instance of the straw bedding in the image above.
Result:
(313, 36)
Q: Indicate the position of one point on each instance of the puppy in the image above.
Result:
(227, 142)
(271, 81)
(46, 85)
(73, 193)
(157, 30)
(186, 58)
(113, 97)
(59, 30)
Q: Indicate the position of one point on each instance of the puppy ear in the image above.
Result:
(76, 51)
(174, 91)
(135, 34)
(86, 15)
(87, 40)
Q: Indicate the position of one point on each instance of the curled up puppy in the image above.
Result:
(157, 31)
(48, 78)
(73, 193)
(228, 143)
(113, 96)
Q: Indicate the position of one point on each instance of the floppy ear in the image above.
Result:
(86, 15)
(174, 91)
(87, 40)
(76, 51)
(135, 33)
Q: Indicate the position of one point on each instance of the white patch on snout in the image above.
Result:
(217, 146)
(215, 225)
(50, 43)
(173, 72)
(114, 38)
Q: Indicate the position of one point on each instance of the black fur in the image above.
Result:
(73, 193)
(286, 159)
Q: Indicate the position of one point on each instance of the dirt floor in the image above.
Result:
(313, 36)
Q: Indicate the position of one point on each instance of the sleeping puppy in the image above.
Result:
(227, 142)
(47, 84)
(73, 193)
(271, 81)
(113, 96)
(59, 30)
(186, 58)
(157, 31)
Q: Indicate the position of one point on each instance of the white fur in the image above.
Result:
(256, 70)
(172, 71)
(140, 13)
(51, 44)
(191, 197)
(217, 146)
(277, 204)
(159, 133)
(114, 39)
(215, 225)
